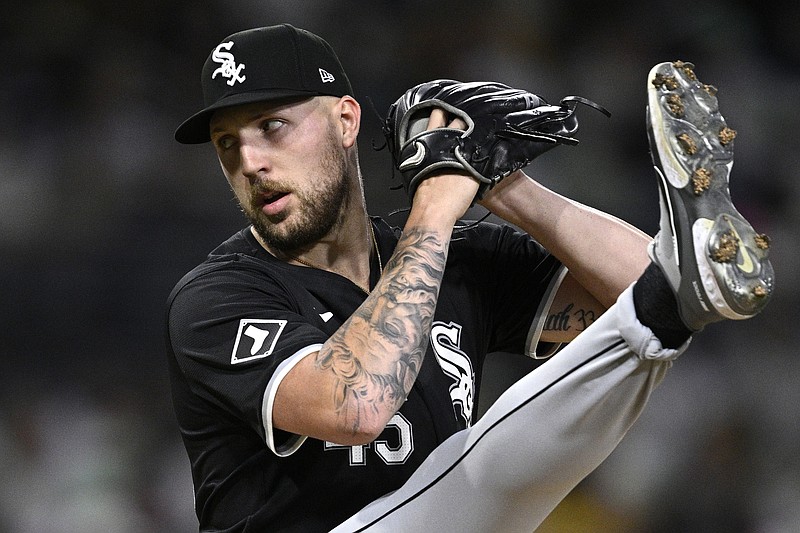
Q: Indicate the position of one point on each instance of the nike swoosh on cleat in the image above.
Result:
(745, 263)
(414, 159)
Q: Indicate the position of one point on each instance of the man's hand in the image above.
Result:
(449, 191)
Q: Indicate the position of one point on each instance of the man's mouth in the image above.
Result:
(271, 197)
(271, 203)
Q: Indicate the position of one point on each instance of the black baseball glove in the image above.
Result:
(506, 129)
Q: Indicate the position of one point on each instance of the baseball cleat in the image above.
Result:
(712, 257)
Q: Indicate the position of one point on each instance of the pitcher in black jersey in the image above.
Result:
(325, 366)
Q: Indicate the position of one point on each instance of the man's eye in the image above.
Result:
(225, 143)
(271, 125)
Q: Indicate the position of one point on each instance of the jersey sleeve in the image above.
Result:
(235, 333)
(524, 278)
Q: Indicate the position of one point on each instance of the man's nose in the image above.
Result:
(255, 160)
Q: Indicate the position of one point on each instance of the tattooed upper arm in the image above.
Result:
(572, 311)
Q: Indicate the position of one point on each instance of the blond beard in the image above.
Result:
(321, 210)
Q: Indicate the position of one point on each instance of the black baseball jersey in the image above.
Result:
(239, 322)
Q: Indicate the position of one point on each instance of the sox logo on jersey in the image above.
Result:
(446, 344)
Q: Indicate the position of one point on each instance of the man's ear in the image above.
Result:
(350, 118)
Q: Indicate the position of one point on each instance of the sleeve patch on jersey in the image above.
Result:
(256, 339)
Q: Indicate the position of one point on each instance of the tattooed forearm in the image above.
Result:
(377, 353)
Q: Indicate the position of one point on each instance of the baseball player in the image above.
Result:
(325, 366)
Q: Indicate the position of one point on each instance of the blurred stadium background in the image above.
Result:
(101, 212)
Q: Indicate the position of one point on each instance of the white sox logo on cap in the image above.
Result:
(228, 67)
(282, 62)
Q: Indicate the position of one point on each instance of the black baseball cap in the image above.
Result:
(264, 64)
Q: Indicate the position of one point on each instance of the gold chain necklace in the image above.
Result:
(377, 252)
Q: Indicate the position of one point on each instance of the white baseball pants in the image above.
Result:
(537, 441)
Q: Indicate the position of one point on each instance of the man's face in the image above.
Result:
(287, 166)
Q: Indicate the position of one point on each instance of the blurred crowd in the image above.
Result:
(101, 212)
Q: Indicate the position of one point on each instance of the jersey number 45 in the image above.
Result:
(392, 453)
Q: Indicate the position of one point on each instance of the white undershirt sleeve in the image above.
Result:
(288, 447)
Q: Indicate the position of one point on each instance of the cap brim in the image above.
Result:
(195, 129)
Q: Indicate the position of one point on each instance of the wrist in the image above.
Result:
(441, 199)
(430, 217)
(515, 197)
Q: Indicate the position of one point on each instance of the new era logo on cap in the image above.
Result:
(326, 76)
